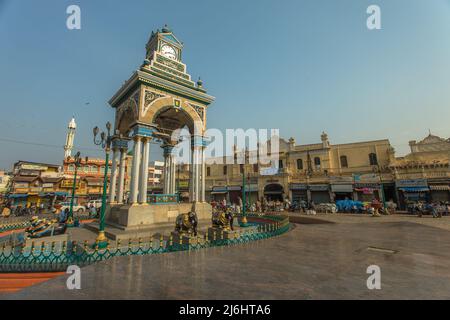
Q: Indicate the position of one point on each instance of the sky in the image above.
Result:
(302, 66)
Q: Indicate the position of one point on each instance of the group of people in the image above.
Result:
(263, 205)
(436, 209)
(31, 209)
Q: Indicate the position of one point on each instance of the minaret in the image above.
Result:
(69, 138)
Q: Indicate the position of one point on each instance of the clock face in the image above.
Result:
(168, 52)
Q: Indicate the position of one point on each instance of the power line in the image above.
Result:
(42, 144)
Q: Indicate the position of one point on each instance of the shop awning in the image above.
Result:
(18, 196)
(273, 192)
(341, 188)
(414, 189)
(440, 188)
(218, 192)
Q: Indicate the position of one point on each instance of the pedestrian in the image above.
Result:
(92, 210)
(6, 212)
(63, 215)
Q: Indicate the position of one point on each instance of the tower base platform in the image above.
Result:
(141, 221)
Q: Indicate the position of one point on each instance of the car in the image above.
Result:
(76, 208)
(96, 203)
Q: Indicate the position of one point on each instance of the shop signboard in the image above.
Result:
(366, 178)
(341, 179)
(29, 172)
(219, 189)
(342, 188)
(183, 184)
(318, 187)
(298, 186)
(20, 185)
(411, 183)
(234, 188)
(251, 187)
(33, 167)
(69, 184)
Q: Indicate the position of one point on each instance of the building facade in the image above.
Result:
(423, 174)
(35, 183)
(320, 172)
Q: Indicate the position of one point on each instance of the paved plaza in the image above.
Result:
(312, 261)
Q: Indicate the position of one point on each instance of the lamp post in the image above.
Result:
(244, 221)
(77, 163)
(105, 142)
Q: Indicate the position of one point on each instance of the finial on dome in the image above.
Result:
(166, 29)
(199, 83)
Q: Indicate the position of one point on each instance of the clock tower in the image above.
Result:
(157, 101)
(163, 58)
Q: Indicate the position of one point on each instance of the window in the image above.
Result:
(255, 167)
(373, 159)
(208, 171)
(280, 164)
(317, 161)
(225, 171)
(241, 168)
(71, 168)
(344, 163)
(299, 164)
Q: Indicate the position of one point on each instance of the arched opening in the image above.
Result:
(273, 192)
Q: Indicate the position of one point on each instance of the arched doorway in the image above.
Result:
(274, 192)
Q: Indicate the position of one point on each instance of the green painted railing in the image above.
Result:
(162, 198)
(58, 256)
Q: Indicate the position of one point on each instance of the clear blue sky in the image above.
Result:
(301, 66)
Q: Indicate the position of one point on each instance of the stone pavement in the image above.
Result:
(314, 261)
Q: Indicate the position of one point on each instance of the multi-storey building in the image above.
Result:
(424, 173)
(4, 185)
(320, 172)
(34, 183)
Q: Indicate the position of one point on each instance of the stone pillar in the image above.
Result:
(113, 179)
(196, 173)
(173, 177)
(123, 155)
(167, 170)
(144, 171)
(135, 171)
(203, 178)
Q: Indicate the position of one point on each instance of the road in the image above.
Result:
(314, 261)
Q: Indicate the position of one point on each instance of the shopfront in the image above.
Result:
(342, 191)
(366, 192)
(320, 193)
(234, 193)
(299, 192)
(251, 193)
(412, 191)
(218, 193)
(342, 187)
(274, 192)
(440, 192)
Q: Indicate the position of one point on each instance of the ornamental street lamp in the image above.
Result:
(105, 142)
(244, 222)
(77, 163)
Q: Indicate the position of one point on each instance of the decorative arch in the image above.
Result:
(127, 113)
(164, 103)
